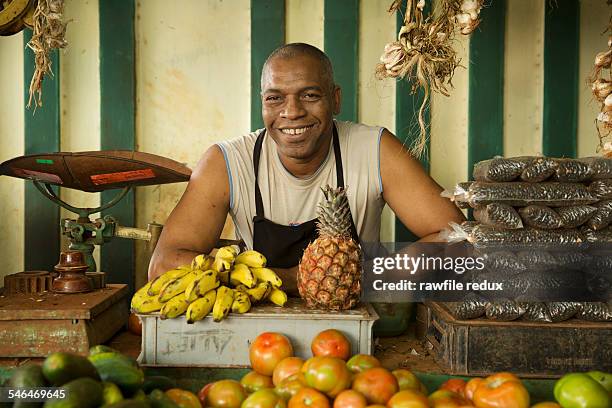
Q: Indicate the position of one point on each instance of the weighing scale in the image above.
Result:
(41, 312)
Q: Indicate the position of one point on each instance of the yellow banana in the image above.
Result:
(260, 291)
(267, 275)
(176, 286)
(241, 274)
(140, 296)
(174, 307)
(241, 303)
(158, 283)
(207, 282)
(202, 262)
(278, 297)
(251, 258)
(149, 305)
(223, 303)
(199, 308)
(224, 259)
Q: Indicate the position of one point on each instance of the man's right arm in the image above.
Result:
(195, 224)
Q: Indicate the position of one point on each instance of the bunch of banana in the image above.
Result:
(227, 282)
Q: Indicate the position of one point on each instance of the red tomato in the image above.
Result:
(267, 350)
(501, 390)
(308, 398)
(253, 381)
(470, 387)
(327, 374)
(376, 384)
(455, 385)
(225, 394)
(286, 368)
(350, 399)
(331, 343)
(362, 362)
(406, 380)
(408, 399)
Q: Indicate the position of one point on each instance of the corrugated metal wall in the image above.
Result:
(193, 87)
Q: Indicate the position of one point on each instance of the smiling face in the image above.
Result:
(298, 104)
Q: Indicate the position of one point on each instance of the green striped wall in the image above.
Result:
(338, 29)
(41, 134)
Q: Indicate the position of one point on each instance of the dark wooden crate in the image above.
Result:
(35, 325)
(530, 349)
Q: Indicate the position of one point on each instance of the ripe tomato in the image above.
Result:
(225, 394)
(286, 368)
(290, 386)
(308, 398)
(253, 381)
(326, 374)
(267, 350)
(470, 387)
(455, 385)
(203, 392)
(376, 384)
(408, 399)
(447, 399)
(406, 380)
(501, 390)
(350, 399)
(184, 399)
(264, 398)
(134, 324)
(331, 343)
(362, 362)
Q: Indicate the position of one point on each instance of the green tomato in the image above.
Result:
(604, 379)
(581, 391)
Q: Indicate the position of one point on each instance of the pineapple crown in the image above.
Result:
(334, 213)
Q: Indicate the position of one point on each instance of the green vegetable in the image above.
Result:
(604, 379)
(101, 348)
(60, 368)
(118, 369)
(27, 376)
(112, 393)
(579, 390)
(158, 382)
(80, 393)
(159, 399)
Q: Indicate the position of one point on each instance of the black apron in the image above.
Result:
(283, 245)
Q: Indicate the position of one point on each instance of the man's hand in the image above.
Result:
(195, 224)
(289, 278)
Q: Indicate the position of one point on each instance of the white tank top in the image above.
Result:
(288, 200)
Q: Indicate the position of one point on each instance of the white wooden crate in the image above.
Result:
(173, 342)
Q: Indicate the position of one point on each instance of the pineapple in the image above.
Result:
(329, 275)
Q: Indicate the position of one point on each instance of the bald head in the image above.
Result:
(295, 50)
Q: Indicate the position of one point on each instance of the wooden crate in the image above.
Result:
(205, 343)
(35, 325)
(530, 349)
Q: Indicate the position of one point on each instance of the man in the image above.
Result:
(300, 150)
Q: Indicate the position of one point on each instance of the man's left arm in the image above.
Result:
(411, 193)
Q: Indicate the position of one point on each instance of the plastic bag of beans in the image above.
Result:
(594, 311)
(522, 194)
(500, 169)
(573, 217)
(498, 215)
(602, 189)
(599, 236)
(472, 307)
(502, 261)
(602, 216)
(485, 235)
(562, 311)
(536, 312)
(537, 259)
(504, 310)
(540, 169)
(540, 216)
(601, 167)
(572, 171)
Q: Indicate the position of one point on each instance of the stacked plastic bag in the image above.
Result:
(525, 202)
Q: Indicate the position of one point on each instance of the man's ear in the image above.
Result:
(337, 100)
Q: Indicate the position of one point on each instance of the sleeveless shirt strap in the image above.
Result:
(256, 154)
